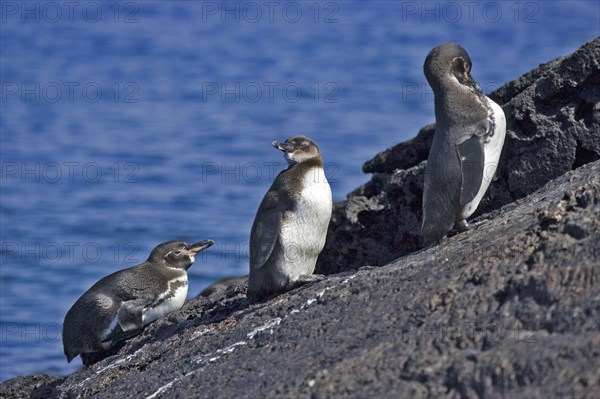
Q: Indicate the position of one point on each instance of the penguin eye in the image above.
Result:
(176, 252)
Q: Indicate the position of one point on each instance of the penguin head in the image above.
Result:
(448, 61)
(298, 149)
(177, 254)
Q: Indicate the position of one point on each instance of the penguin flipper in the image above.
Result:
(472, 165)
(265, 231)
(129, 315)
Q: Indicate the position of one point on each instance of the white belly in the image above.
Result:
(304, 231)
(169, 305)
(492, 150)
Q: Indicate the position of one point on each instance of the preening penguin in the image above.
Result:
(291, 223)
(119, 305)
(469, 136)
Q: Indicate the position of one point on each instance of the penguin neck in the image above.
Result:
(172, 272)
(292, 179)
(456, 103)
(315, 162)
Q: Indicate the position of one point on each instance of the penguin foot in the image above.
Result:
(90, 358)
(461, 226)
(306, 279)
(310, 278)
(478, 223)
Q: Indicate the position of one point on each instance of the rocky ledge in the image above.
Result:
(510, 308)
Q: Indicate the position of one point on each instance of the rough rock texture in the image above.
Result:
(553, 122)
(508, 309)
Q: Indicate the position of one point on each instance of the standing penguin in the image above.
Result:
(121, 304)
(291, 223)
(469, 136)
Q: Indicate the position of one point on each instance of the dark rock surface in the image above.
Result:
(508, 309)
(553, 126)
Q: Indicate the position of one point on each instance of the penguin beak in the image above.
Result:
(278, 145)
(282, 146)
(199, 246)
(469, 81)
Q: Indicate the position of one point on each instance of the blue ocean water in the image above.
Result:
(126, 124)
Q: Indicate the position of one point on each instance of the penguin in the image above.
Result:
(223, 284)
(290, 226)
(469, 135)
(119, 305)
